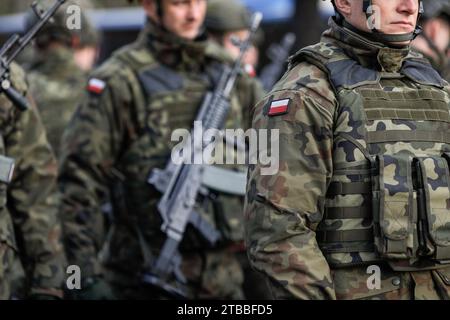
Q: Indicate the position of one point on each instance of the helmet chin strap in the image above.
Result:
(378, 36)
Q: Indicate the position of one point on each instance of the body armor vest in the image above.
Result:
(166, 100)
(389, 196)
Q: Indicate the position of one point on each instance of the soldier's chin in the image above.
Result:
(189, 34)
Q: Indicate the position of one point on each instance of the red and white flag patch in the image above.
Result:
(279, 107)
(96, 86)
(250, 70)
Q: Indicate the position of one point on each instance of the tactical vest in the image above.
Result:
(166, 100)
(389, 195)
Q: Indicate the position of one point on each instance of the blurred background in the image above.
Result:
(119, 22)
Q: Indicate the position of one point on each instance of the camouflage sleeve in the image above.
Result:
(89, 147)
(33, 201)
(283, 208)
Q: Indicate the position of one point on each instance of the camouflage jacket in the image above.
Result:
(29, 224)
(357, 118)
(122, 131)
(57, 84)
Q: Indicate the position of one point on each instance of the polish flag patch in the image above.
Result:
(250, 70)
(279, 107)
(96, 86)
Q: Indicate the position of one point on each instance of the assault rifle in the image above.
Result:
(14, 46)
(181, 184)
(278, 54)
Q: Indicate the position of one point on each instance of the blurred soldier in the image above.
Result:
(87, 42)
(434, 41)
(57, 83)
(228, 19)
(359, 207)
(30, 232)
(121, 132)
(225, 19)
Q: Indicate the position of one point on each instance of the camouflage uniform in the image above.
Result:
(120, 133)
(29, 226)
(363, 126)
(57, 85)
(225, 16)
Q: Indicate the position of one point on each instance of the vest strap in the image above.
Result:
(336, 213)
(345, 236)
(339, 188)
(405, 135)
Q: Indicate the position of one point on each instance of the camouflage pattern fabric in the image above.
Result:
(118, 136)
(29, 227)
(57, 85)
(330, 212)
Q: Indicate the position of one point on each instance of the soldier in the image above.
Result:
(57, 83)
(225, 19)
(87, 43)
(30, 231)
(359, 206)
(434, 41)
(228, 19)
(120, 133)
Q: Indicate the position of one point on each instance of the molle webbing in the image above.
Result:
(345, 236)
(334, 213)
(407, 136)
(338, 188)
(414, 105)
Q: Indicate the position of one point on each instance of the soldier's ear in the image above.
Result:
(345, 7)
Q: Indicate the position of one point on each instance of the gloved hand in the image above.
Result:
(95, 288)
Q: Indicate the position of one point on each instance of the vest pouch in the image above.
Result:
(434, 206)
(394, 207)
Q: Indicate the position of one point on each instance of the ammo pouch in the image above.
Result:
(394, 207)
(411, 207)
(433, 197)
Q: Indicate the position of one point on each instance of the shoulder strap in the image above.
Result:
(420, 70)
(342, 71)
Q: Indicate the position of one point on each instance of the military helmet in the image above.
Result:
(89, 35)
(57, 29)
(226, 16)
(436, 8)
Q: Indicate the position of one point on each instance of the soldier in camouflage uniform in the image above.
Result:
(121, 132)
(434, 41)
(225, 18)
(363, 180)
(87, 44)
(56, 82)
(31, 253)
